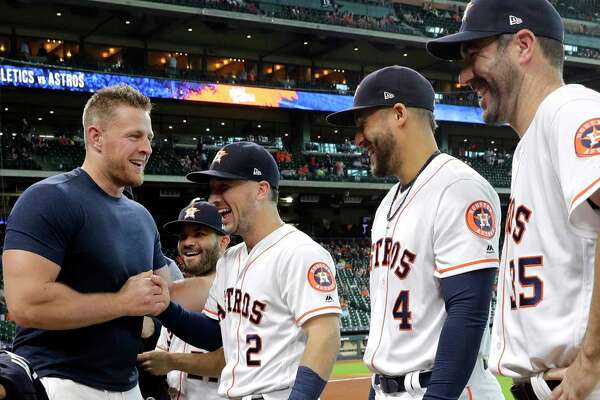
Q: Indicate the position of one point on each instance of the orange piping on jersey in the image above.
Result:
(181, 375)
(240, 319)
(211, 312)
(469, 393)
(487, 260)
(388, 270)
(584, 191)
(315, 310)
(161, 348)
(504, 249)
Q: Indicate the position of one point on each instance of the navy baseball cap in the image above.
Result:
(198, 213)
(488, 18)
(384, 88)
(241, 160)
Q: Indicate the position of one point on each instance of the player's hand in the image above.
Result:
(578, 380)
(164, 293)
(141, 296)
(2, 392)
(155, 362)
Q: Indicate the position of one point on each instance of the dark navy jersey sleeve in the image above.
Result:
(42, 222)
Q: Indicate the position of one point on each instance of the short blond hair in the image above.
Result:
(102, 104)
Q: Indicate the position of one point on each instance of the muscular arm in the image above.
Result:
(36, 300)
(191, 293)
(201, 364)
(323, 344)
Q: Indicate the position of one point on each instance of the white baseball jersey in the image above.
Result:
(184, 386)
(262, 299)
(547, 269)
(446, 224)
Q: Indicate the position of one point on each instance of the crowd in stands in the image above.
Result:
(428, 19)
(341, 162)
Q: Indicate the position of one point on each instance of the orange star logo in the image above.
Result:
(191, 212)
(220, 154)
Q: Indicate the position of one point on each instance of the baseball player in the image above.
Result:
(274, 295)
(547, 325)
(434, 247)
(201, 242)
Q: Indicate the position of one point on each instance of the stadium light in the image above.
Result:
(127, 22)
(51, 111)
(190, 29)
(185, 121)
(207, 129)
(59, 14)
(356, 49)
(248, 36)
(305, 43)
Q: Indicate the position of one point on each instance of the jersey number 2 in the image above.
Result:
(533, 282)
(255, 348)
(402, 312)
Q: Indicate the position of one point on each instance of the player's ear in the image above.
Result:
(263, 190)
(93, 138)
(399, 114)
(224, 242)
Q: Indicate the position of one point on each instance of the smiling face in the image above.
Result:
(236, 202)
(375, 134)
(199, 248)
(490, 71)
(126, 145)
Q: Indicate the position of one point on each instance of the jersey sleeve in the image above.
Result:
(308, 283)
(163, 342)
(576, 157)
(42, 222)
(466, 229)
(215, 295)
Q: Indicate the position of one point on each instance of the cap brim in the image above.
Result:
(204, 176)
(175, 227)
(346, 118)
(448, 47)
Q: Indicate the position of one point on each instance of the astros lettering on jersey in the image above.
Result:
(446, 224)
(547, 269)
(262, 299)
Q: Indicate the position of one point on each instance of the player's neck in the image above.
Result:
(532, 94)
(269, 222)
(101, 179)
(413, 161)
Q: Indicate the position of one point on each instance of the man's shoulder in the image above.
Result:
(568, 96)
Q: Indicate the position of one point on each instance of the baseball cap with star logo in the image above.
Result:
(199, 213)
(241, 160)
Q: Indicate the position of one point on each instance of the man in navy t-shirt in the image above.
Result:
(79, 259)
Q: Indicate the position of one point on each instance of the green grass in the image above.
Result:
(359, 369)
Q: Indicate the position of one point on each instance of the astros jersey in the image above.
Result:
(184, 386)
(547, 269)
(262, 299)
(446, 224)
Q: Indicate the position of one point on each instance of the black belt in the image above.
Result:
(524, 390)
(395, 384)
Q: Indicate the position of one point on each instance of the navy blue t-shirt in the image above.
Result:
(99, 241)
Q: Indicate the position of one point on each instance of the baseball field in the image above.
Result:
(350, 381)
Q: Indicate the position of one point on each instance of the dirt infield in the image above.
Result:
(347, 388)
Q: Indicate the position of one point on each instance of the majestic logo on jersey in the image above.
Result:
(321, 278)
(587, 138)
(481, 220)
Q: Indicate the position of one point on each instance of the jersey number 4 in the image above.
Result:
(402, 312)
(533, 283)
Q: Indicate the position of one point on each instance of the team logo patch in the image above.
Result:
(321, 278)
(481, 219)
(220, 154)
(587, 138)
